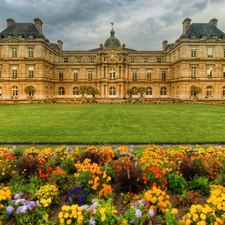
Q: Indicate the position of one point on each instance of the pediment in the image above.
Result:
(11, 40)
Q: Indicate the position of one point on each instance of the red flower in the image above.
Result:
(43, 175)
(13, 158)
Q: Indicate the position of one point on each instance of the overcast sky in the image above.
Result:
(140, 24)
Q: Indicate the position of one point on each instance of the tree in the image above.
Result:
(83, 90)
(30, 90)
(93, 91)
(130, 92)
(141, 91)
(195, 90)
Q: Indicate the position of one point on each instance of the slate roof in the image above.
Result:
(112, 42)
(203, 29)
(24, 29)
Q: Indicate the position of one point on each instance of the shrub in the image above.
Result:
(201, 184)
(128, 176)
(176, 184)
(191, 167)
(28, 165)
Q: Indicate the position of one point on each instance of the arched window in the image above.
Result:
(224, 91)
(14, 91)
(75, 91)
(112, 91)
(61, 91)
(209, 91)
(163, 91)
(149, 91)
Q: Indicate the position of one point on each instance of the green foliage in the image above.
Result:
(93, 91)
(30, 90)
(176, 184)
(35, 183)
(170, 218)
(68, 166)
(83, 90)
(141, 91)
(195, 90)
(200, 184)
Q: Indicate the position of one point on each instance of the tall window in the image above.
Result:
(132, 60)
(209, 72)
(60, 75)
(193, 53)
(30, 52)
(149, 75)
(78, 59)
(209, 91)
(193, 72)
(163, 75)
(210, 52)
(112, 74)
(149, 91)
(14, 52)
(75, 75)
(90, 75)
(30, 72)
(134, 76)
(75, 91)
(14, 72)
(61, 91)
(112, 91)
(92, 59)
(163, 91)
(14, 91)
(224, 91)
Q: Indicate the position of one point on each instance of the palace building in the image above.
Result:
(28, 58)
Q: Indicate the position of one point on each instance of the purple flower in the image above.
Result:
(31, 205)
(138, 213)
(21, 209)
(18, 195)
(9, 210)
(92, 222)
(25, 202)
(132, 221)
(151, 212)
(85, 207)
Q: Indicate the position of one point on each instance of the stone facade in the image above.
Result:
(27, 58)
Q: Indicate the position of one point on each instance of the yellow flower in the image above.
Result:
(174, 211)
(68, 221)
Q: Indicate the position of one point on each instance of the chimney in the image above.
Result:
(38, 24)
(60, 44)
(164, 44)
(213, 21)
(186, 24)
(10, 22)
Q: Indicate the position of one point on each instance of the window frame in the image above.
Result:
(30, 52)
(193, 53)
(75, 91)
(61, 90)
(61, 76)
(149, 75)
(112, 91)
(90, 75)
(134, 75)
(14, 52)
(163, 91)
(149, 91)
(163, 75)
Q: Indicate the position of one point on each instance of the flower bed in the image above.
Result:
(112, 186)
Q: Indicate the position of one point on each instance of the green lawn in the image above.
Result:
(107, 124)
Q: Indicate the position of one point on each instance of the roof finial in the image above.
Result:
(112, 24)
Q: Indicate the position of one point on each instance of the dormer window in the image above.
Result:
(204, 36)
(20, 36)
(193, 36)
(31, 35)
(10, 35)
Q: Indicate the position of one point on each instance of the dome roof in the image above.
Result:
(112, 42)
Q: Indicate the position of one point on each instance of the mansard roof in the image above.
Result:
(24, 29)
(199, 30)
